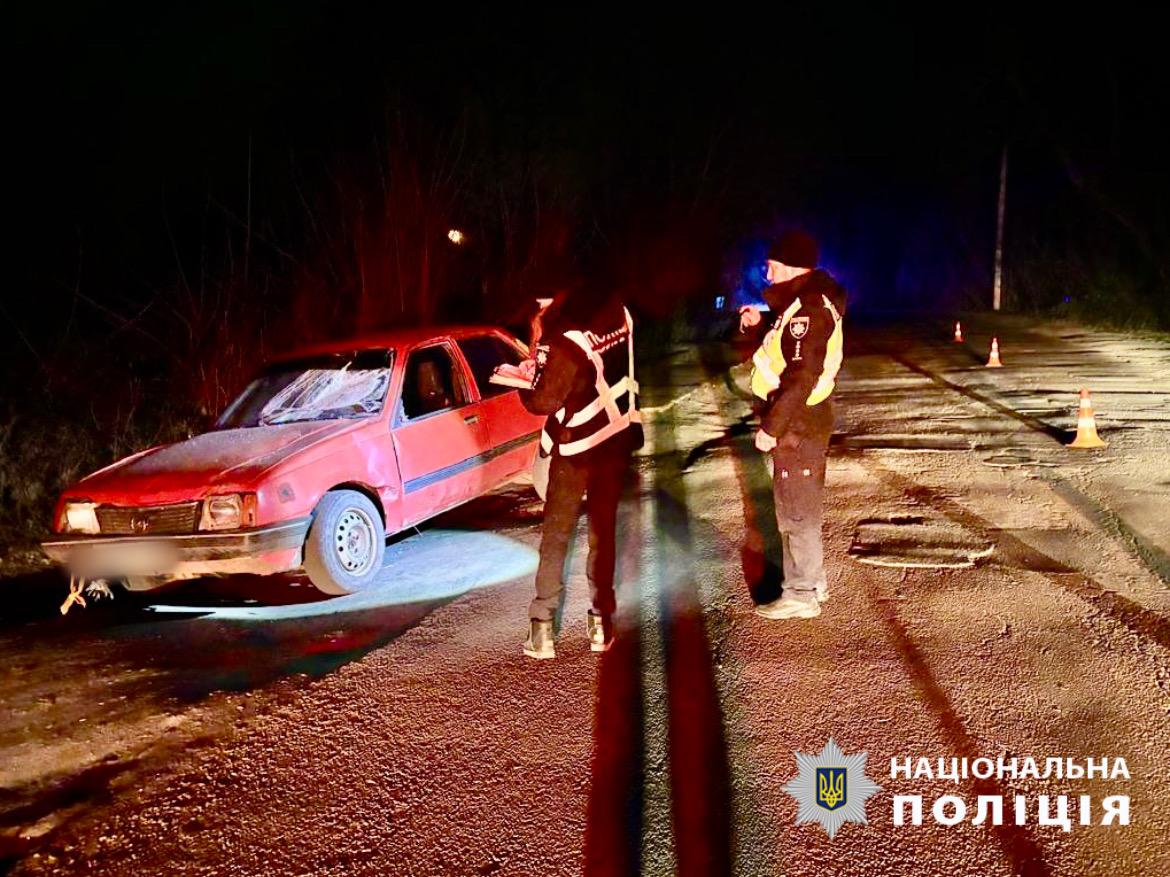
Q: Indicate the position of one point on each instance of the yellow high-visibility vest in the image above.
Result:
(768, 362)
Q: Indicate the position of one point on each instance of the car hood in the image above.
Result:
(192, 468)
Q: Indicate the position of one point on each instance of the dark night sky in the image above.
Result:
(126, 122)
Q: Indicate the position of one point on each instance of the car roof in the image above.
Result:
(393, 338)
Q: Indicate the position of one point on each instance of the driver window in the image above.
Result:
(483, 354)
(431, 383)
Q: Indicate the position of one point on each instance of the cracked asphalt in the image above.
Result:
(252, 728)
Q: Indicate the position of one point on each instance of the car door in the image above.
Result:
(439, 433)
(512, 431)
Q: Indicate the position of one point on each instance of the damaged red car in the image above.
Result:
(326, 453)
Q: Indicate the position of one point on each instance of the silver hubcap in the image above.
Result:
(353, 540)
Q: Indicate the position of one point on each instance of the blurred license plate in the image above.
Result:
(115, 559)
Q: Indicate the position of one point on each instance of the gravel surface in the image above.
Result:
(407, 735)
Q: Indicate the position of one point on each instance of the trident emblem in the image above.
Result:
(830, 787)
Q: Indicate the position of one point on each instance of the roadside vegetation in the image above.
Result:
(245, 198)
(99, 373)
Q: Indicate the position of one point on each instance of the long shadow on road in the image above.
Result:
(699, 769)
(699, 773)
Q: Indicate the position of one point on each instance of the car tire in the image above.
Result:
(142, 584)
(345, 544)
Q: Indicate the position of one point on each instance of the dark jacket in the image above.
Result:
(564, 372)
(785, 415)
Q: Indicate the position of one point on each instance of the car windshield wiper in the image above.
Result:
(307, 416)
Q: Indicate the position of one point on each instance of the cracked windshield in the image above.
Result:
(324, 388)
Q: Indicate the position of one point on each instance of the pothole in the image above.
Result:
(1009, 460)
(913, 542)
(1015, 458)
(902, 442)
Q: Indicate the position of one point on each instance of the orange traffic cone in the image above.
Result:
(958, 331)
(993, 359)
(1086, 424)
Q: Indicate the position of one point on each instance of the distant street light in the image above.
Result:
(456, 237)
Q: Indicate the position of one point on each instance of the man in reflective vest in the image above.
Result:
(585, 384)
(794, 371)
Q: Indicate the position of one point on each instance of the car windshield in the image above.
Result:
(335, 386)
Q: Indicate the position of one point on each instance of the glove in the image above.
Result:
(764, 442)
(749, 316)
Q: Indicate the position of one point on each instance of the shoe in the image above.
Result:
(822, 593)
(539, 644)
(789, 607)
(600, 631)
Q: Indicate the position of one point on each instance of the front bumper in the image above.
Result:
(264, 550)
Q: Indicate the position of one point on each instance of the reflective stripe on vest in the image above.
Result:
(604, 401)
(768, 361)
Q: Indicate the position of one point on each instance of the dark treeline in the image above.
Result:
(192, 187)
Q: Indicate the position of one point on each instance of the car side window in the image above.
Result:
(431, 383)
(483, 354)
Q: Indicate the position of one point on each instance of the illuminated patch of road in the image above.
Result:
(433, 565)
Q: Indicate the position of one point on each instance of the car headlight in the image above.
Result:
(232, 511)
(80, 517)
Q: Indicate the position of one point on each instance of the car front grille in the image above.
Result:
(174, 519)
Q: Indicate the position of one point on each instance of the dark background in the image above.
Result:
(189, 187)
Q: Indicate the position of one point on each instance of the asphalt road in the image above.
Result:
(994, 594)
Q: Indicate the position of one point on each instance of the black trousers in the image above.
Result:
(594, 480)
(798, 485)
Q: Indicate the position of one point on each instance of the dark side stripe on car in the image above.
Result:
(430, 478)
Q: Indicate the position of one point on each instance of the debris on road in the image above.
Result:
(937, 464)
(80, 588)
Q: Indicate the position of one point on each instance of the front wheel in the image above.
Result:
(345, 544)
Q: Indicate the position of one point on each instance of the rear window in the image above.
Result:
(483, 353)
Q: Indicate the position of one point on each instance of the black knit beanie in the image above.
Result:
(797, 249)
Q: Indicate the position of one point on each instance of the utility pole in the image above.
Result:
(997, 294)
